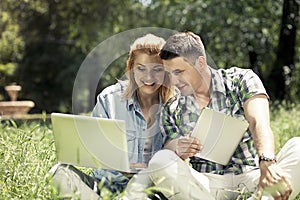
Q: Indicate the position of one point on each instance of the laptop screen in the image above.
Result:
(90, 142)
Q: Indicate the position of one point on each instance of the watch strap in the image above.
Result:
(266, 158)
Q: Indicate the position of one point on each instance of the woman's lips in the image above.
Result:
(149, 84)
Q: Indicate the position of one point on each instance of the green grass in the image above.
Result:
(27, 153)
(285, 122)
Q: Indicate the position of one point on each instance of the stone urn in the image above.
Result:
(14, 107)
(12, 91)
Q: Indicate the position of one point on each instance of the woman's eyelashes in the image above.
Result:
(156, 69)
(141, 68)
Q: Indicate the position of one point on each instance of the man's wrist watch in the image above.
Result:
(267, 157)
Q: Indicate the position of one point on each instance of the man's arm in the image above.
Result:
(257, 114)
(183, 146)
(272, 179)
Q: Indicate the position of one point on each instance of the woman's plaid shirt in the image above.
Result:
(229, 90)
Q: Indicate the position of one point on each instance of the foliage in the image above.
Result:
(11, 47)
(284, 121)
(11, 44)
(57, 36)
(284, 64)
(52, 38)
(294, 83)
(230, 30)
(27, 154)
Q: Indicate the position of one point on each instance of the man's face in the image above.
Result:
(184, 76)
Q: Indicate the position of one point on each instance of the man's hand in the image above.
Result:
(184, 147)
(272, 181)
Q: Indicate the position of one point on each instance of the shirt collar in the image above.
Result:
(132, 103)
(217, 84)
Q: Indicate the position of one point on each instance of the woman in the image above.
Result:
(137, 101)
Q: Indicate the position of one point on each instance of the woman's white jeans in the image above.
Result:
(181, 181)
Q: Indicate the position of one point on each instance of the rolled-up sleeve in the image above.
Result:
(251, 85)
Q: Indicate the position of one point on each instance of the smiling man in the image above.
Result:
(254, 167)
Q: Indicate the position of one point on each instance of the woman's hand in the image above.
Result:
(138, 165)
(184, 147)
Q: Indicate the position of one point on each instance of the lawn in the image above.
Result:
(27, 152)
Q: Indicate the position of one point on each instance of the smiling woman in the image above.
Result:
(144, 61)
(148, 74)
(137, 101)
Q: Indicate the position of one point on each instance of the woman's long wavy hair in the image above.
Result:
(151, 45)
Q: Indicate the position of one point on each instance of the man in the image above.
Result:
(253, 168)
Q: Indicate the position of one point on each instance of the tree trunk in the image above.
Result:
(279, 79)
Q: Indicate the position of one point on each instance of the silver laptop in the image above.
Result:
(91, 142)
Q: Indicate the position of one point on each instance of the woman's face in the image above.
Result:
(148, 73)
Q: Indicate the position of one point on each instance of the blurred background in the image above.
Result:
(44, 42)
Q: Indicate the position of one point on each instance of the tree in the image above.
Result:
(57, 36)
(284, 64)
(230, 30)
(11, 49)
(244, 34)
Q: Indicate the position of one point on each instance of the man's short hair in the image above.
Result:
(187, 45)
